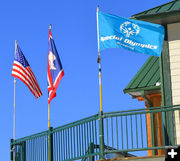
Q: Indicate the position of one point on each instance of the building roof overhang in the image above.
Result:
(164, 14)
(164, 18)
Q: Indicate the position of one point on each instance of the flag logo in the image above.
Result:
(52, 58)
(22, 70)
(129, 28)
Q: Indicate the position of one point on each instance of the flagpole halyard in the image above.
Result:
(99, 61)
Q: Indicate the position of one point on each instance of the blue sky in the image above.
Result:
(74, 32)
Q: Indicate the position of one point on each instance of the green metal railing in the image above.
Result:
(93, 137)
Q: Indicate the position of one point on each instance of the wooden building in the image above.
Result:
(158, 81)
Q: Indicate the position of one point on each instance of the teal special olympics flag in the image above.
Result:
(134, 35)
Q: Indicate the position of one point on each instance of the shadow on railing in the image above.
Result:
(95, 137)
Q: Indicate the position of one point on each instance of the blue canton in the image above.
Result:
(20, 57)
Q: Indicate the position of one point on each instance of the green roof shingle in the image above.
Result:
(147, 78)
(168, 7)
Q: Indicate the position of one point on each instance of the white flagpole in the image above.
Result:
(14, 121)
(14, 134)
(99, 61)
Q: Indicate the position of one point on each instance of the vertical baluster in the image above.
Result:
(38, 146)
(71, 142)
(28, 150)
(95, 135)
(44, 157)
(80, 140)
(112, 132)
(74, 140)
(64, 135)
(127, 134)
(131, 132)
(141, 131)
(107, 131)
(146, 128)
(87, 135)
(36, 149)
(56, 141)
(69, 149)
(44, 149)
(66, 143)
(41, 145)
(152, 132)
(77, 141)
(54, 157)
(33, 146)
(90, 132)
(93, 130)
(63, 145)
(58, 146)
(122, 133)
(117, 133)
(136, 132)
(156, 129)
(83, 139)
(61, 156)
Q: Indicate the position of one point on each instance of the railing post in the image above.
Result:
(101, 135)
(11, 150)
(24, 150)
(91, 151)
(50, 145)
(152, 132)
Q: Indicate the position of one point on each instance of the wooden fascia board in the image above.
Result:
(142, 89)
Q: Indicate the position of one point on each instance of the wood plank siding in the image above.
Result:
(174, 53)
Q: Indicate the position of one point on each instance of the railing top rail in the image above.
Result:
(79, 122)
(90, 118)
(142, 109)
(95, 117)
(44, 133)
(141, 112)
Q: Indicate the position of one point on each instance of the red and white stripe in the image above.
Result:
(26, 75)
(52, 89)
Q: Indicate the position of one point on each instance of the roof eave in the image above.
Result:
(137, 92)
(160, 18)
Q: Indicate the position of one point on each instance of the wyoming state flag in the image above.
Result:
(55, 70)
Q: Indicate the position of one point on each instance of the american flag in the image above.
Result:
(55, 71)
(22, 71)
